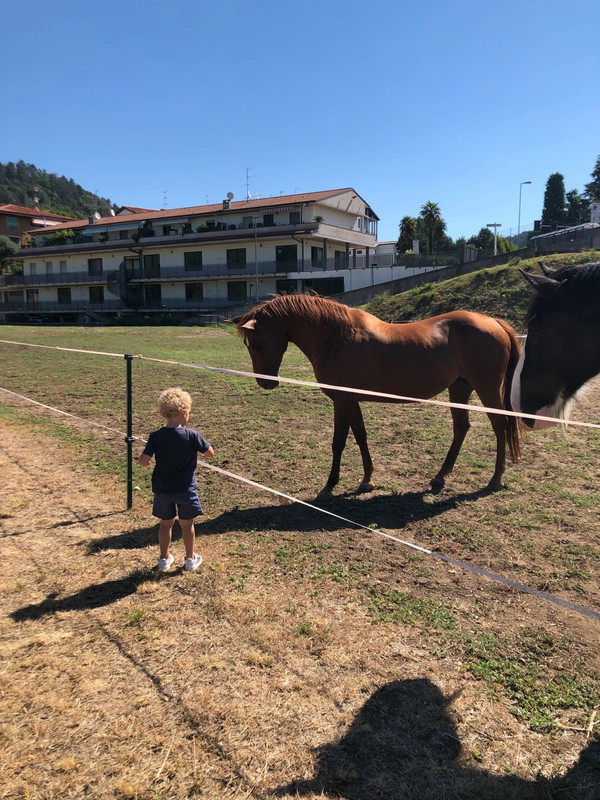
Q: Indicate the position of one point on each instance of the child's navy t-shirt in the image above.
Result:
(176, 452)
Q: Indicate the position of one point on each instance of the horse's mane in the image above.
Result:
(312, 308)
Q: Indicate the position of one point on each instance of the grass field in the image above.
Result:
(308, 656)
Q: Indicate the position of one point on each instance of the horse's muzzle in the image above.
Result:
(267, 384)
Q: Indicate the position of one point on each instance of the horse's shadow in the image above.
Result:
(403, 745)
(339, 511)
(388, 511)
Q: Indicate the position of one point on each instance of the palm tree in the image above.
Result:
(432, 220)
(408, 233)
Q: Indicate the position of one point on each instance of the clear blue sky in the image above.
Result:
(451, 102)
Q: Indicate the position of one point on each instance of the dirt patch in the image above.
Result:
(305, 658)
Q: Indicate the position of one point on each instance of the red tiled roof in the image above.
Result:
(240, 205)
(23, 211)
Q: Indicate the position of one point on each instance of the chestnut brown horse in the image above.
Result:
(459, 351)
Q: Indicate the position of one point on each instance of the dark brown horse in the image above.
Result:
(459, 351)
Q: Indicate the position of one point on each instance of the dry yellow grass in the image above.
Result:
(242, 680)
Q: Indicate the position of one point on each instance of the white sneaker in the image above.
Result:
(165, 563)
(192, 563)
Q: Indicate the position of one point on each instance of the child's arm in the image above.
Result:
(144, 460)
(209, 453)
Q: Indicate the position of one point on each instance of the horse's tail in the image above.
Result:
(512, 424)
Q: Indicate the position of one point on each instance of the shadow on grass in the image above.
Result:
(389, 511)
(94, 596)
(403, 744)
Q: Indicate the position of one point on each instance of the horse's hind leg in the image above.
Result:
(360, 434)
(460, 392)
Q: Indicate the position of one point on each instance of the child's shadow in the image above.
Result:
(403, 745)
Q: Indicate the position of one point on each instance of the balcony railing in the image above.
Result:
(181, 273)
(113, 306)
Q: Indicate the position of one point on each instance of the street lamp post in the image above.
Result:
(520, 189)
(495, 226)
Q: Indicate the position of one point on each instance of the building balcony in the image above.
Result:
(181, 274)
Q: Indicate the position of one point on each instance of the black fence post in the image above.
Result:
(129, 438)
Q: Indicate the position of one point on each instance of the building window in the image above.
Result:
(62, 265)
(268, 219)
(237, 291)
(187, 227)
(64, 295)
(153, 295)
(94, 266)
(339, 259)
(12, 224)
(285, 287)
(123, 234)
(49, 267)
(193, 261)
(152, 266)
(316, 257)
(294, 218)
(325, 286)
(286, 257)
(236, 259)
(97, 294)
(33, 268)
(194, 292)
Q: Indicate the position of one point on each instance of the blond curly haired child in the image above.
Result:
(175, 448)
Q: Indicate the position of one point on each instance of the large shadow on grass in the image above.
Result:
(94, 596)
(403, 745)
(390, 511)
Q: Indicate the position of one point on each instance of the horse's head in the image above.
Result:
(562, 351)
(266, 343)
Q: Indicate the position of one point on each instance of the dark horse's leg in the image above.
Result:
(460, 392)
(346, 415)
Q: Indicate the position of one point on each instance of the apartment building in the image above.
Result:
(209, 259)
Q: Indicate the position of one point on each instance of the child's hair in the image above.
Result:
(174, 402)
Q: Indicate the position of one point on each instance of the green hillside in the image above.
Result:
(498, 291)
(27, 185)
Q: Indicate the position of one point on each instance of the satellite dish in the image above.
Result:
(97, 215)
(230, 195)
(112, 212)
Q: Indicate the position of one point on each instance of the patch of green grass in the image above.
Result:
(402, 607)
(537, 696)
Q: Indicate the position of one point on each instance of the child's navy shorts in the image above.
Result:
(185, 505)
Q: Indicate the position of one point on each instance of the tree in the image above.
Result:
(432, 220)
(484, 239)
(592, 189)
(408, 233)
(578, 208)
(554, 212)
(8, 248)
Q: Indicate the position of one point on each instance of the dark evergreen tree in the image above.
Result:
(554, 211)
(592, 189)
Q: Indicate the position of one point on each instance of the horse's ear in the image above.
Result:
(548, 271)
(545, 286)
(250, 324)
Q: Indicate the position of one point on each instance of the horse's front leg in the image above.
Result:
(341, 426)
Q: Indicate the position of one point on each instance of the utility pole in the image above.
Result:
(495, 226)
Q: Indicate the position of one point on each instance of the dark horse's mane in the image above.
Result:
(579, 293)
(312, 308)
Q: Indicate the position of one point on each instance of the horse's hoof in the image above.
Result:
(324, 494)
(495, 486)
(365, 487)
(437, 484)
